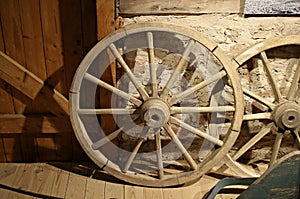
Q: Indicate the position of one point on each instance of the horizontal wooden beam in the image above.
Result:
(31, 86)
(138, 7)
(15, 124)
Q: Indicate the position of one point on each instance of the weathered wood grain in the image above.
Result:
(30, 85)
(137, 7)
(14, 45)
(53, 45)
(17, 123)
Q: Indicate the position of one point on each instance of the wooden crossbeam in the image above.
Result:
(18, 123)
(32, 86)
(146, 7)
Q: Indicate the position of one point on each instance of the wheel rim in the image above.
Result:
(277, 115)
(149, 107)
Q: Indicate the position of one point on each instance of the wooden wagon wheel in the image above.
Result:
(160, 104)
(272, 115)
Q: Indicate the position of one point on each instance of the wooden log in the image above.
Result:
(137, 7)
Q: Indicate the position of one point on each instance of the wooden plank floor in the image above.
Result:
(40, 180)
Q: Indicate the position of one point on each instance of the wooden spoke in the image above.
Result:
(258, 116)
(266, 64)
(115, 90)
(258, 98)
(181, 96)
(180, 146)
(181, 110)
(108, 111)
(135, 82)
(106, 139)
(195, 131)
(132, 155)
(297, 138)
(136, 149)
(152, 65)
(253, 141)
(148, 105)
(159, 155)
(276, 148)
(178, 70)
(295, 83)
(238, 168)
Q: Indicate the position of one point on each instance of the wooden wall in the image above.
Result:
(48, 38)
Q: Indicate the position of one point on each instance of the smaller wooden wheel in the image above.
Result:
(271, 73)
(162, 102)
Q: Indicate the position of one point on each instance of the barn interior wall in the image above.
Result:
(49, 38)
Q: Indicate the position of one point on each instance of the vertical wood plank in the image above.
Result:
(53, 45)
(2, 47)
(78, 153)
(105, 17)
(5, 98)
(73, 40)
(89, 24)
(64, 146)
(28, 147)
(12, 146)
(2, 150)
(46, 145)
(14, 46)
(10, 18)
(70, 16)
(33, 43)
(51, 20)
(5, 88)
(32, 37)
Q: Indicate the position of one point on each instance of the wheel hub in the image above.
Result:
(155, 113)
(287, 115)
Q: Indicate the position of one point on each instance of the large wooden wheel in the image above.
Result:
(272, 111)
(163, 104)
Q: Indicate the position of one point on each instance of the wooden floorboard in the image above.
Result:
(94, 189)
(134, 192)
(113, 190)
(48, 180)
(76, 186)
(11, 194)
